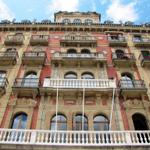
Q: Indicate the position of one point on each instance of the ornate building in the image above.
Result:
(74, 83)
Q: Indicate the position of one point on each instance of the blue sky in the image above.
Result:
(125, 10)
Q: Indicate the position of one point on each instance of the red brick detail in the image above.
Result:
(112, 73)
(124, 116)
(137, 72)
(129, 51)
(35, 114)
(5, 117)
(90, 102)
(69, 102)
(46, 72)
(104, 102)
(21, 69)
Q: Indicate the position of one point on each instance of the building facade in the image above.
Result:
(74, 83)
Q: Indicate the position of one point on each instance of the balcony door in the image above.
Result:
(30, 80)
(19, 121)
(126, 82)
(2, 78)
(140, 122)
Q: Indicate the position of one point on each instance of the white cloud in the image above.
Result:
(125, 12)
(5, 12)
(62, 5)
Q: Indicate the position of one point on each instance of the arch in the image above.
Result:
(70, 75)
(19, 121)
(87, 75)
(85, 51)
(11, 49)
(127, 80)
(88, 21)
(61, 122)
(78, 21)
(100, 123)
(119, 53)
(78, 119)
(71, 51)
(139, 122)
(66, 21)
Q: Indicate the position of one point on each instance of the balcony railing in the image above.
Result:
(141, 41)
(33, 54)
(26, 82)
(79, 83)
(78, 41)
(14, 40)
(8, 58)
(124, 56)
(33, 58)
(74, 138)
(98, 56)
(117, 40)
(145, 60)
(39, 40)
(79, 38)
(132, 84)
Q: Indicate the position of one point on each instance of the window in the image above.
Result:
(140, 122)
(137, 38)
(87, 75)
(2, 78)
(126, 80)
(120, 53)
(85, 51)
(78, 21)
(70, 75)
(146, 54)
(66, 21)
(19, 121)
(30, 80)
(101, 123)
(78, 120)
(88, 21)
(61, 122)
(71, 51)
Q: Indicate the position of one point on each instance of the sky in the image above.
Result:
(137, 11)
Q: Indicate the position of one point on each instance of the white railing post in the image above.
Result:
(128, 138)
(33, 137)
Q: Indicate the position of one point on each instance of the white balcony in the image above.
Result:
(74, 138)
(96, 56)
(79, 83)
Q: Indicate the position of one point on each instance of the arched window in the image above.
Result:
(87, 75)
(71, 51)
(66, 21)
(78, 120)
(61, 122)
(10, 49)
(120, 53)
(101, 123)
(2, 78)
(126, 80)
(85, 51)
(70, 75)
(19, 121)
(88, 21)
(30, 80)
(140, 122)
(78, 21)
